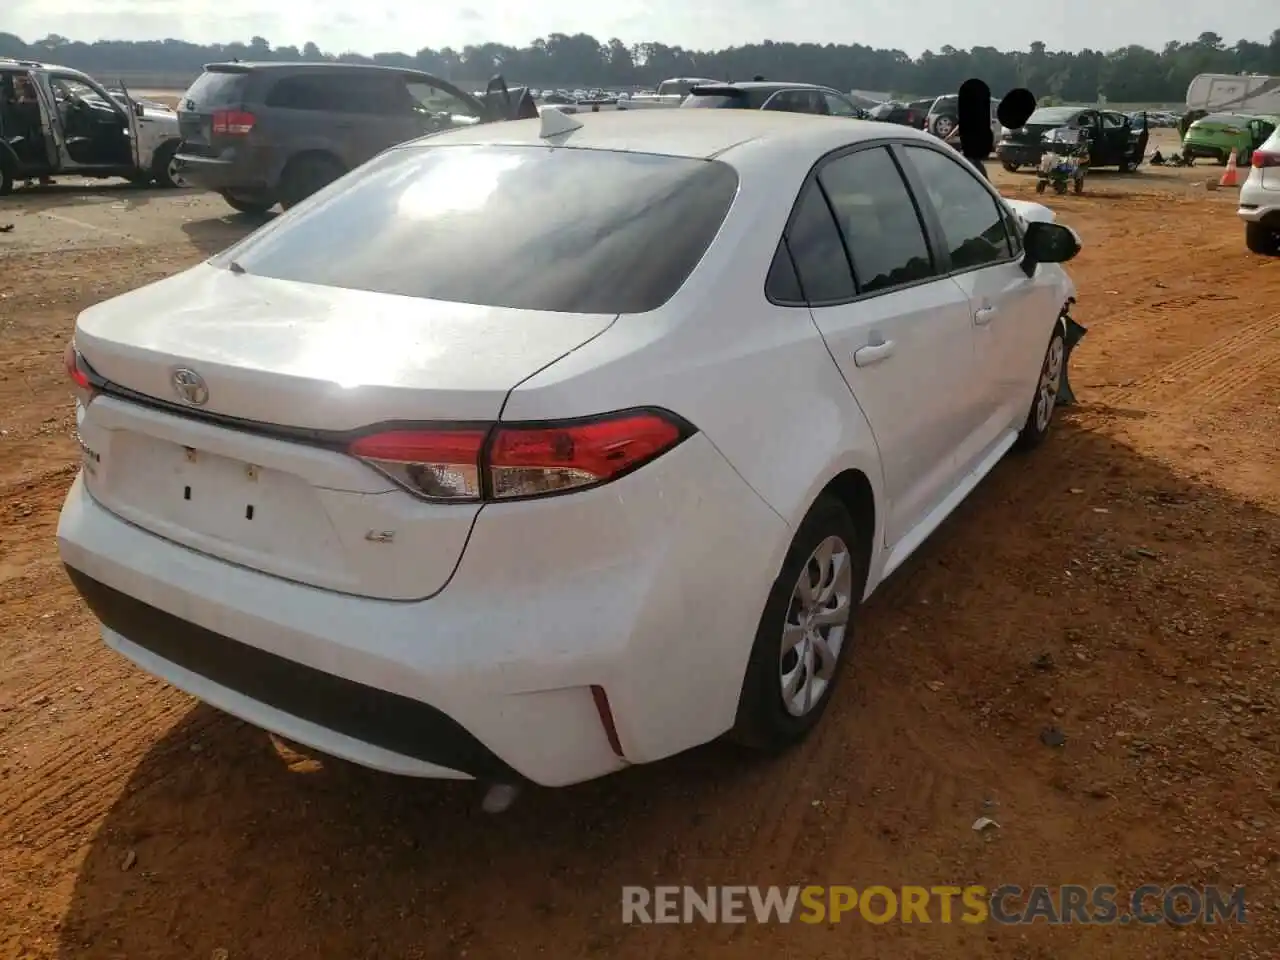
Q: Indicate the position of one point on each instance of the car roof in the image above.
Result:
(9, 64)
(766, 85)
(297, 66)
(701, 134)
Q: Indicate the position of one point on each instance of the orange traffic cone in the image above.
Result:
(1230, 176)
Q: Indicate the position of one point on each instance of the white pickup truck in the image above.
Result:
(670, 93)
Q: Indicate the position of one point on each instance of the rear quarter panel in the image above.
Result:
(756, 378)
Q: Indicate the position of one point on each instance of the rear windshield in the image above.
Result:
(735, 99)
(214, 88)
(1055, 115)
(534, 228)
(1224, 119)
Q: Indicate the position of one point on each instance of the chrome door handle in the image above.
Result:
(873, 353)
(983, 315)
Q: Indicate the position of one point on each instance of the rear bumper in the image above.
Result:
(251, 174)
(1258, 205)
(648, 590)
(1203, 150)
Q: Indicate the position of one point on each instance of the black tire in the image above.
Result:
(254, 207)
(1010, 166)
(161, 163)
(763, 721)
(1262, 239)
(306, 175)
(1125, 166)
(6, 181)
(1036, 427)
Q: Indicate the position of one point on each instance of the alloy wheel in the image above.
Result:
(816, 624)
(1050, 383)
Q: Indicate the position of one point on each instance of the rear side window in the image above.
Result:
(534, 228)
(350, 92)
(214, 88)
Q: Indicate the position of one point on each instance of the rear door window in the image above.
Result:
(313, 91)
(794, 101)
(528, 227)
(879, 220)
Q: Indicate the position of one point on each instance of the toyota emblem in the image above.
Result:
(190, 387)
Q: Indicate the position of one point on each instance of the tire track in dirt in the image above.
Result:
(1243, 377)
(1222, 350)
(59, 785)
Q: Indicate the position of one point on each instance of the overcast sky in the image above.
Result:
(368, 26)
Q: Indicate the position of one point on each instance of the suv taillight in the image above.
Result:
(1262, 159)
(233, 123)
(515, 461)
(78, 372)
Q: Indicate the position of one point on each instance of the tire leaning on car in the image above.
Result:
(1048, 385)
(805, 630)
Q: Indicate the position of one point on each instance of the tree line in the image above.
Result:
(1133, 74)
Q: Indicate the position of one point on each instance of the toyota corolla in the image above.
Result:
(524, 453)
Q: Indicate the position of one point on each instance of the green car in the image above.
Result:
(1216, 135)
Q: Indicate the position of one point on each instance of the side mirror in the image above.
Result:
(1048, 243)
(138, 110)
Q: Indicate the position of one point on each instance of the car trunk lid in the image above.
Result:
(252, 468)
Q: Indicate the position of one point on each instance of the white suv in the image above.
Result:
(1260, 199)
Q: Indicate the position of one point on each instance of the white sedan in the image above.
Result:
(529, 451)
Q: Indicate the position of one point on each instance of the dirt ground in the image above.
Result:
(1118, 586)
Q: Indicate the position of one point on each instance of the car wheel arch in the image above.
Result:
(856, 481)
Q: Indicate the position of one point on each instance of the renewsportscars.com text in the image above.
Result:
(1179, 905)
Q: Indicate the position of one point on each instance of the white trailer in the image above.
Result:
(1235, 93)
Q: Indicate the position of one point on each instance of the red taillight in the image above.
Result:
(233, 123)
(75, 367)
(513, 461)
(78, 372)
(1262, 158)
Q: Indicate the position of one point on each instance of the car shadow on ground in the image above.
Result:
(69, 192)
(214, 235)
(231, 843)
